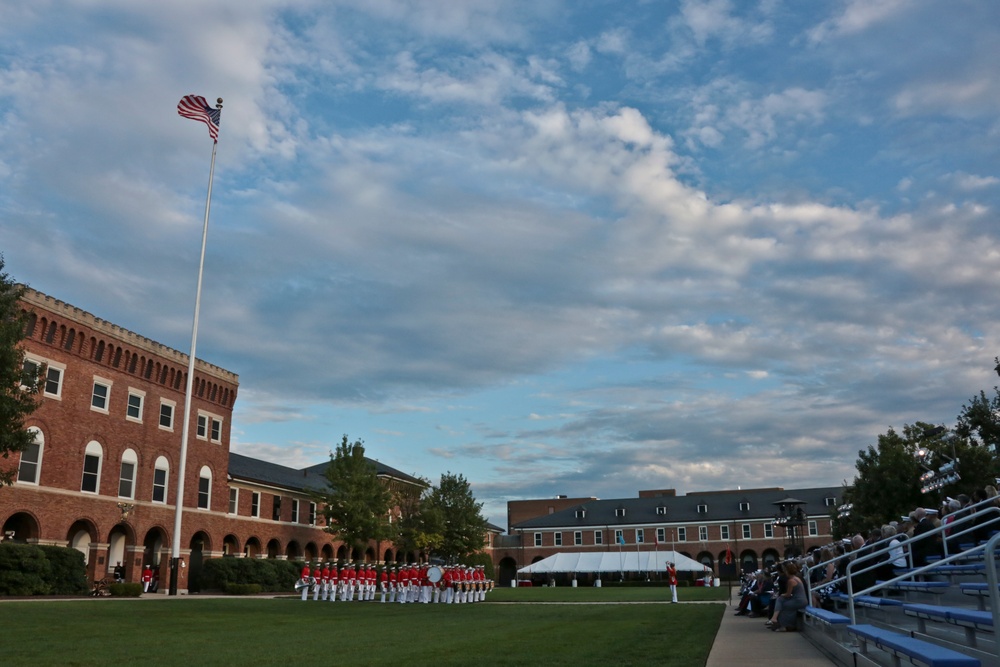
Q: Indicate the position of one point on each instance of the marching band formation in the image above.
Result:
(447, 584)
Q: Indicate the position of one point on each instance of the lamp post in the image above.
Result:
(791, 515)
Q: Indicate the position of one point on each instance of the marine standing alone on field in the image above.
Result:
(672, 579)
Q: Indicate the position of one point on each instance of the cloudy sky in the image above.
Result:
(561, 247)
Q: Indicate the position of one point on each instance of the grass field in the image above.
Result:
(260, 631)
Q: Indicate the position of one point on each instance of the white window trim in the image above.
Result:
(661, 535)
(768, 528)
(208, 417)
(557, 539)
(598, 537)
(640, 536)
(141, 395)
(128, 456)
(813, 527)
(747, 531)
(254, 514)
(234, 501)
(538, 539)
(107, 384)
(173, 415)
(100, 467)
(204, 473)
(166, 481)
(723, 532)
(39, 440)
(314, 512)
(577, 538)
(682, 534)
(703, 533)
(295, 510)
(52, 365)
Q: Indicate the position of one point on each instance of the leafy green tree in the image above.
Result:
(418, 528)
(356, 503)
(18, 388)
(888, 483)
(452, 509)
(979, 421)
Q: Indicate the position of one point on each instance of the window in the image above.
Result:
(557, 539)
(133, 412)
(702, 533)
(661, 510)
(580, 514)
(619, 536)
(100, 396)
(578, 538)
(640, 535)
(234, 500)
(744, 506)
(830, 501)
(92, 468)
(538, 539)
(295, 510)
(723, 532)
(276, 509)
(813, 529)
(209, 427)
(768, 530)
(167, 414)
(682, 534)
(204, 488)
(161, 470)
(312, 514)
(746, 531)
(255, 504)
(52, 381)
(31, 460)
(620, 512)
(598, 537)
(661, 535)
(703, 509)
(126, 478)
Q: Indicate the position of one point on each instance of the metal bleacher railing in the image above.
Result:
(954, 531)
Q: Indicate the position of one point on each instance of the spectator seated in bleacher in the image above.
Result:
(790, 602)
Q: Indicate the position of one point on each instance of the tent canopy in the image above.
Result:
(609, 561)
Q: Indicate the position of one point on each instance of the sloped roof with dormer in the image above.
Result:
(701, 507)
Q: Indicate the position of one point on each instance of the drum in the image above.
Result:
(434, 574)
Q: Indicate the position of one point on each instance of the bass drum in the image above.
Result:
(434, 573)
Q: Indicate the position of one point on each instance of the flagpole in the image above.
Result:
(175, 553)
(638, 562)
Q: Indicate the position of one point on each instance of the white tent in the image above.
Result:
(614, 561)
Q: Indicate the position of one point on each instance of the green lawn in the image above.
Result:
(257, 631)
(607, 594)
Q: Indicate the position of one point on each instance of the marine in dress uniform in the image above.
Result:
(325, 581)
(147, 578)
(672, 579)
(304, 577)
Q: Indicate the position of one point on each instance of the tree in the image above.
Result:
(979, 420)
(356, 504)
(18, 386)
(418, 528)
(888, 483)
(452, 510)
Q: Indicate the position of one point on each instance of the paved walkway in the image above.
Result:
(746, 642)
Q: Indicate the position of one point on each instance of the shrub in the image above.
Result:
(484, 560)
(125, 590)
(69, 572)
(243, 589)
(24, 570)
(271, 575)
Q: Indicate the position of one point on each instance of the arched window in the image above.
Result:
(161, 473)
(92, 458)
(126, 480)
(30, 469)
(204, 488)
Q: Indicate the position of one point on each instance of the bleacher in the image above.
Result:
(942, 614)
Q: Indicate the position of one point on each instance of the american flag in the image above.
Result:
(196, 107)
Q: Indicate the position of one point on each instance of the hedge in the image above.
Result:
(125, 590)
(28, 569)
(270, 574)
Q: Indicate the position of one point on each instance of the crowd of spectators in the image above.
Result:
(779, 591)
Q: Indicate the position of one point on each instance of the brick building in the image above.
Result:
(101, 475)
(753, 525)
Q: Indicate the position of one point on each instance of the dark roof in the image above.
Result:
(718, 506)
(303, 480)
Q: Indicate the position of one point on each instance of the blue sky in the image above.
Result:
(576, 248)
